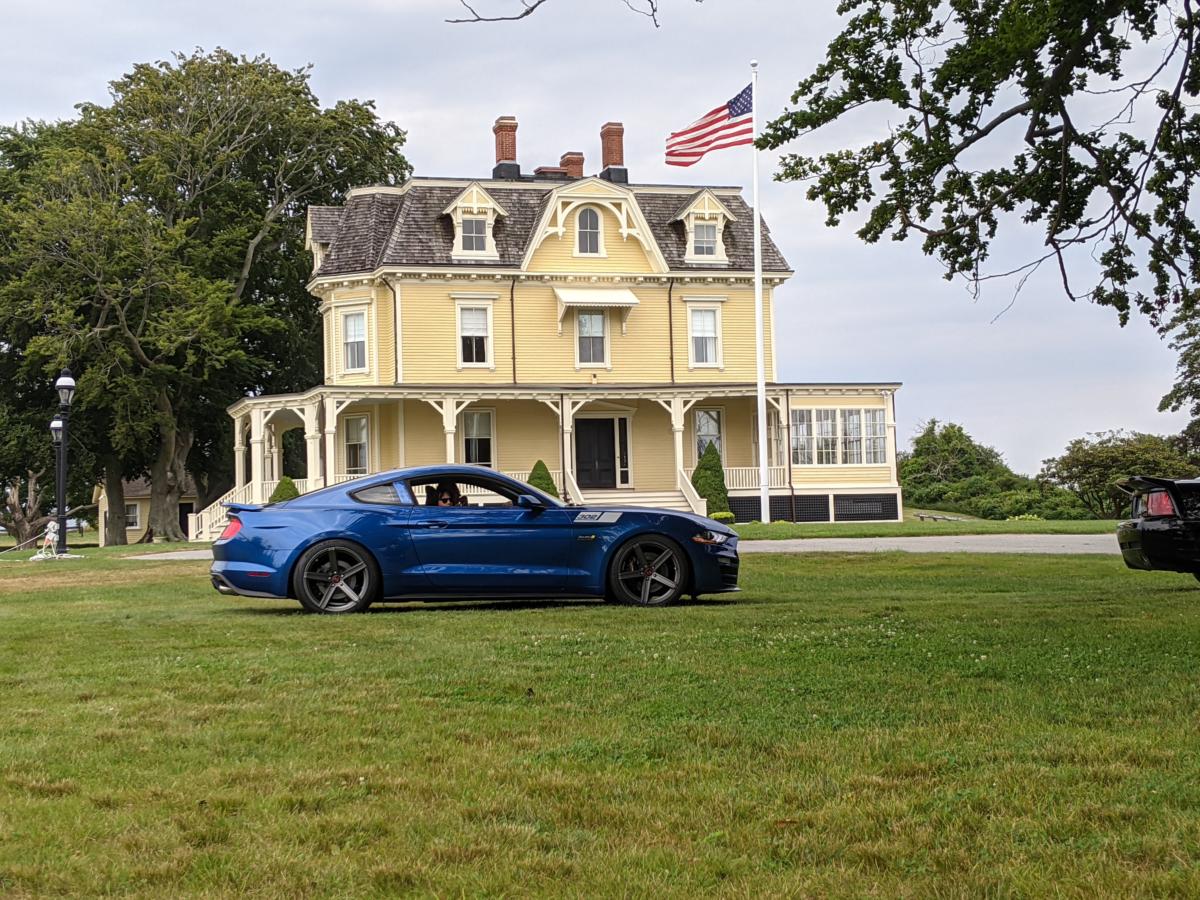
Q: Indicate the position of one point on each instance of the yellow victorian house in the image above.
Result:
(603, 327)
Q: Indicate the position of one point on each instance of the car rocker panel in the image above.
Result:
(341, 548)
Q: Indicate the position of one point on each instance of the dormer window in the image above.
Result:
(588, 235)
(474, 234)
(474, 214)
(704, 218)
(705, 239)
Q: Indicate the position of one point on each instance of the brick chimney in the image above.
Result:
(505, 131)
(572, 161)
(612, 152)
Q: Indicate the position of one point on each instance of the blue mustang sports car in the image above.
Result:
(464, 532)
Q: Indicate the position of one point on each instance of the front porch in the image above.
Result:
(636, 445)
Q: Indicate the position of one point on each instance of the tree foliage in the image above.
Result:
(1090, 467)
(1074, 118)
(539, 477)
(709, 480)
(155, 245)
(947, 469)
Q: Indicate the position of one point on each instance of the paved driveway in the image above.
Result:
(966, 543)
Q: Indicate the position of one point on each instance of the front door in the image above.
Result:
(595, 453)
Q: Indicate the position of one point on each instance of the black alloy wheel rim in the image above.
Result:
(336, 579)
(649, 571)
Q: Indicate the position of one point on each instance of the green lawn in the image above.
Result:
(913, 527)
(880, 725)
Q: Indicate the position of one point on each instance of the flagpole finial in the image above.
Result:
(754, 63)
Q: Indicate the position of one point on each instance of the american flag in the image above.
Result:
(729, 125)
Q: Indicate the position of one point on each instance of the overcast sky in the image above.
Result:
(1025, 379)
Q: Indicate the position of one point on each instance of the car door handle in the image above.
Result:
(436, 523)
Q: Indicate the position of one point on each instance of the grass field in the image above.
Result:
(913, 527)
(880, 724)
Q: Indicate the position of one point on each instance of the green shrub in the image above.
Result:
(285, 490)
(725, 517)
(709, 480)
(539, 477)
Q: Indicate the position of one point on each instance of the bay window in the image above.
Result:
(354, 341)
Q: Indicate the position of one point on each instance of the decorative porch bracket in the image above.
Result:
(450, 408)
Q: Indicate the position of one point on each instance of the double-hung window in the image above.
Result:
(826, 437)
(852, 443)
(474, 234)
(355, 430)
(802, 437)
(354, 341)
(706, 337)
(592, 337)
(708, 431)
(704, 239)
(875, 440)
(588, 229)
(473, 335)
(477, 437)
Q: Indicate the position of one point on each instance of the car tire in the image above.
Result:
(648, 570)
(335, 577)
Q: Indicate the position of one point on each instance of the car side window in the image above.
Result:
(383, 494)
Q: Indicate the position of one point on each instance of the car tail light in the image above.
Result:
(234, 526)
(1159, 504)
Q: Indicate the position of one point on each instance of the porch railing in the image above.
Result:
(743, 477)
(698, 504)
(210, 521)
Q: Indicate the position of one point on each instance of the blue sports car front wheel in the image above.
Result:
(650, 570)
(336, 577)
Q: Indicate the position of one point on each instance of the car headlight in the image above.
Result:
(710, 537)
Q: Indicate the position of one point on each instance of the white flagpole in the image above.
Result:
(764, 491)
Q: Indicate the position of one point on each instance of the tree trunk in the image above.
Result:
(24, 520)
(168, 474)
(114, 490)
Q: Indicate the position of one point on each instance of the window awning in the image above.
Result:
(595, 298)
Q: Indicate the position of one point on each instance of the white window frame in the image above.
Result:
(603, 311)
(366, 442)
(690, 223)
(462, 436)
(600, 249)
(721, 433)
(795, 437)
(836, 437)
(715, 306)
(345, 314)
(489, 251)
(869, 442)
(470, 303)
(134, 521)
(462, 234)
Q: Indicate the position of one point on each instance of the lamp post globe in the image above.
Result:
(65, 387)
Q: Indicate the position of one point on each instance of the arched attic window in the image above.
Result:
(588, 232)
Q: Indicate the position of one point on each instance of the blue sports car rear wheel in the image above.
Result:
(650, 570)
(336, 577)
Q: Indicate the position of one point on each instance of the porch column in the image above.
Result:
(257, 456)
(312, 446)
(889, 423)
(450, 427)
(566, 417)
(678, 411)
(239, 451)
(331, 412)
(276, 452)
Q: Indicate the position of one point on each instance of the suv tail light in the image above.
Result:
(234, 526)
(1159, 503)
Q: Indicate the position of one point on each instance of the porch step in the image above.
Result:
(673, 500)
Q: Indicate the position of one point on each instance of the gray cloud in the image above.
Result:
(1042, 373)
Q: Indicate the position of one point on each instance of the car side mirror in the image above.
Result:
(530, 502)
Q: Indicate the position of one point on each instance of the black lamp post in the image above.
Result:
(58, 433)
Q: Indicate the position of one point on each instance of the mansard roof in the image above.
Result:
(407, 227)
